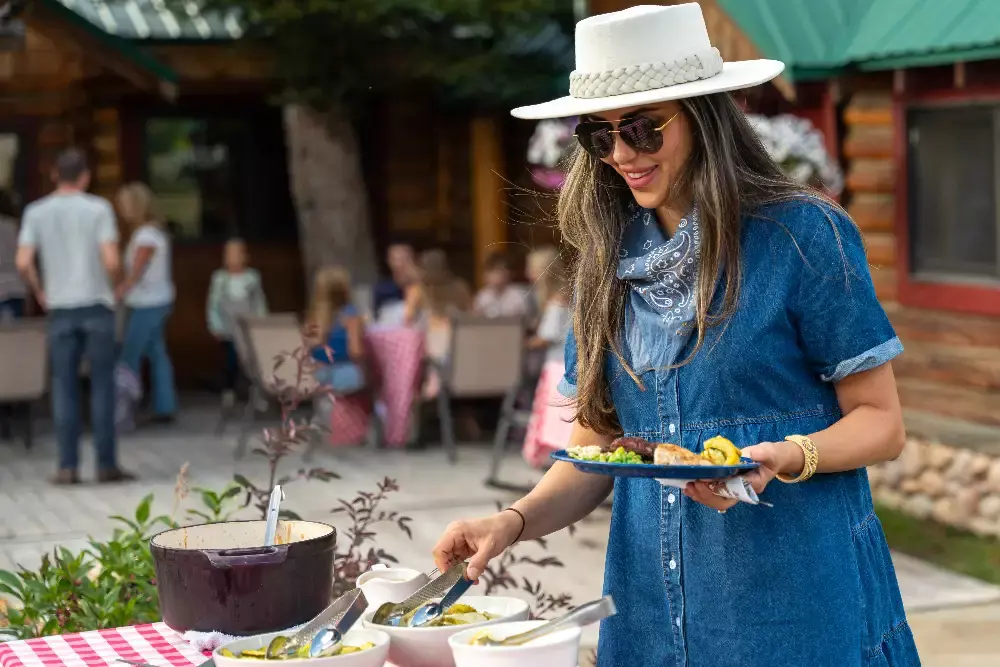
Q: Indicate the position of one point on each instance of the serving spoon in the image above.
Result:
(585, 614)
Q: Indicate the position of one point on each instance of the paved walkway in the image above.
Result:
(951, 614)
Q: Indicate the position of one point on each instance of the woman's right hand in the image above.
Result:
(477, 540)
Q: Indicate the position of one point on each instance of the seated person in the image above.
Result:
(404, 272)
(500, 297)
(337, 330)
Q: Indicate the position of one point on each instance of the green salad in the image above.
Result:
(594, 453)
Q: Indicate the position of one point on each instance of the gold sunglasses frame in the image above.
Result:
(620, 121)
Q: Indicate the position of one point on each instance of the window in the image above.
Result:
(216, 177)
(954, 221)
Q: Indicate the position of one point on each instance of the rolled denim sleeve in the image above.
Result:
(843, 327)
(567, 386)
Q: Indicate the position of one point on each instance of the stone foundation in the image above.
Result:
(954, 486)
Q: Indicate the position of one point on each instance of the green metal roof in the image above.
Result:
(818, 38)
(156, 20)
(123, 46)
(911, 33)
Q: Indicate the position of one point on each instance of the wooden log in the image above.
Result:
(873, 211)
(868, 141)
(868, 116)
(489, 209)
(975, 405)
(885, 283)
(881, 248)
(970, 367)
(956, 329)
(871, 175)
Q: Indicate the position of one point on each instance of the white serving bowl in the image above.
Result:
(560, 649)
(373, 657)
(428, 647)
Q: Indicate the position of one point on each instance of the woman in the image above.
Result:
(148, 291)
(337, 330)
(713, 296)
(12, 289)
(434, 299)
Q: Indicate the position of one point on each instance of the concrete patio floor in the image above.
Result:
(954, 617)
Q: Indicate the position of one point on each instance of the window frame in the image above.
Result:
(978, 298)
(253, 108)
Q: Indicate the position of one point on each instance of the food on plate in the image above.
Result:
(718, 451)
(721, 452)
(302, 653)
(675, 455)
(595, 453)
(457, 614)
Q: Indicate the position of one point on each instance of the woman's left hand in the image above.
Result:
(773, 457)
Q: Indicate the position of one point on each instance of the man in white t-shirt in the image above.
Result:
(74, 236)
(148, 291)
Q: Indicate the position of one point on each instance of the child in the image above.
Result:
(500, 297)
(236, 291)
(338, 332)
(551, 417)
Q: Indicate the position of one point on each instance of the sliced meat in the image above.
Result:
(642, 447)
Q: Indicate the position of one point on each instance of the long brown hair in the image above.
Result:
(140, 203)
(728, 173)
(331, 292)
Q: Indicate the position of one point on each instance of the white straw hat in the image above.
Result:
(646, 55)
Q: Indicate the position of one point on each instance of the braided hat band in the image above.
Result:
(648, 76)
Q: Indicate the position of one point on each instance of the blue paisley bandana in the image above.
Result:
(662, 275)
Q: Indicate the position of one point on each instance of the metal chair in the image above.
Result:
(24, 372)
(259, 341)
(486, 361)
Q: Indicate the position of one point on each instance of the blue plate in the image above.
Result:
(655, 471)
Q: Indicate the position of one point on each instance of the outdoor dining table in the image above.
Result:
(154, 643)
(397, 355)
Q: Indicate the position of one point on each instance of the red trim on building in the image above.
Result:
(964, 298)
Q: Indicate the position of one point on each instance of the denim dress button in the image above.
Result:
(672, 564)
(678, 621)
(673, 429)
(671, 499)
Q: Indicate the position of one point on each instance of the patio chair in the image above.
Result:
(262, 340)
(24, 368)
(486, 361)
(244, 357)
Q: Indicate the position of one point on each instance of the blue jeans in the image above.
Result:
(144, 337)
(14, 306)
(344, 378)
(74, 332)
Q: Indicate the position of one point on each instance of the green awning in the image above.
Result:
(157, 20)
(917, 33)
(128, 51)
(820, 38)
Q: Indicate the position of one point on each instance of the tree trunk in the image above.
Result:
(328, 187)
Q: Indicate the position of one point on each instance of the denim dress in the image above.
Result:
(809, 581)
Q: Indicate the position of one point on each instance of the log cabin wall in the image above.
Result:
(951, 366)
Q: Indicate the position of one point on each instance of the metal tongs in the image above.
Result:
(445, 586)
(585, 614)
(324, 633)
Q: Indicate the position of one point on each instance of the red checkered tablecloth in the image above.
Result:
(155, 643)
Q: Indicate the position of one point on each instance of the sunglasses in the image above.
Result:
(640, 133)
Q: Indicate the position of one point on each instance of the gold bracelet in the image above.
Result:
(810, 455)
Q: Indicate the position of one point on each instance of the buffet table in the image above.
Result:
(156, 644)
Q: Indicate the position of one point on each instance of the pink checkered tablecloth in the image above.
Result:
(399, 357)
(156, 644)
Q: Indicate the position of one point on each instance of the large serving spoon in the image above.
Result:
(347, 607)
(328, 640)
(392, 613)
(432, 611)
(271, 526)
(585, 614)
